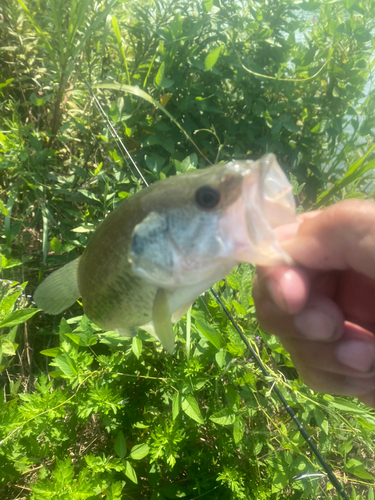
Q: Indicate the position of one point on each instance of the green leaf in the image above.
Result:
(82, 339)
(176, 405)
(76, 338)
(342, 404)
(361, 473)
(11, 335)
(224, 417)
(370, 495)
(321, 420)
(208, 4)
(64, 328)
(279, 481)
(291, 127)
(7, 347)
(37, 101)
(3, 210)
(239, 308)
(137, 346)
(120, 445)
(220, 358)
(88, 194)
(8, 263)
(66, 365)
(166, 83)
(114, 491)
(85, 228)
(362, 35)
(190, 406)
(14, 386)
(18, 317)
(130, 472)
(238, 429)
(51, 352)
(211, 335)
(353, 462)
(116, 30)
(211, 58)
(5, 84)
(139, 451)
(55, 245)
(160, 74)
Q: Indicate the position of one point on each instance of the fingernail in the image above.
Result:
(315, 324)
(357, 355)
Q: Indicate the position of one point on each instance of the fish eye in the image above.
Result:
(207, 197)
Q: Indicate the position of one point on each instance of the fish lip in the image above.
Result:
(278, 196)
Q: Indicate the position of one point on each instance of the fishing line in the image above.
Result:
(335, 482)
(116, 136)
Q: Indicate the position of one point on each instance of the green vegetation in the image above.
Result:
(84, 413)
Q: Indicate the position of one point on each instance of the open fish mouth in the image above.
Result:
(266, 202)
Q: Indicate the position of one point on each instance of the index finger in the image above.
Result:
(339, 237)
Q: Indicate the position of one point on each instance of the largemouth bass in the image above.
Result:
(165, 245)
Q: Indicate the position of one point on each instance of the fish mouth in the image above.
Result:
(266, 202)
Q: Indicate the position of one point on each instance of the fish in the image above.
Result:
(168, 243)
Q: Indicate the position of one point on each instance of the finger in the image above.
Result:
(355, 295)
(287, 231)
(319, 319)
(321, 381)
(339, 237)
(308, 215)
(287, 287)
(353, 355)
(368, 399)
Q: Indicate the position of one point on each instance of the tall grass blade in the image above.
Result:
(356, 172)
(188, 333)
(78, 14)
(149, 70)
(45, 239)
(105, 36)
(93, 27)
(57, 20)
(141, 93)
(7, 219)
(40, 32)
(116, 29)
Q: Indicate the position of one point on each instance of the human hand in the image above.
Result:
(323, 307)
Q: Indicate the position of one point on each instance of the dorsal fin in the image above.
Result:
(60, 290)
(162, 321)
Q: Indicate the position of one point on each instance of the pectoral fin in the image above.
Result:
(176, 316)
(162, 321)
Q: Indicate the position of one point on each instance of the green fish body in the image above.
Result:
(165, 245)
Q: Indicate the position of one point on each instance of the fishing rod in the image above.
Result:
(331, 475)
